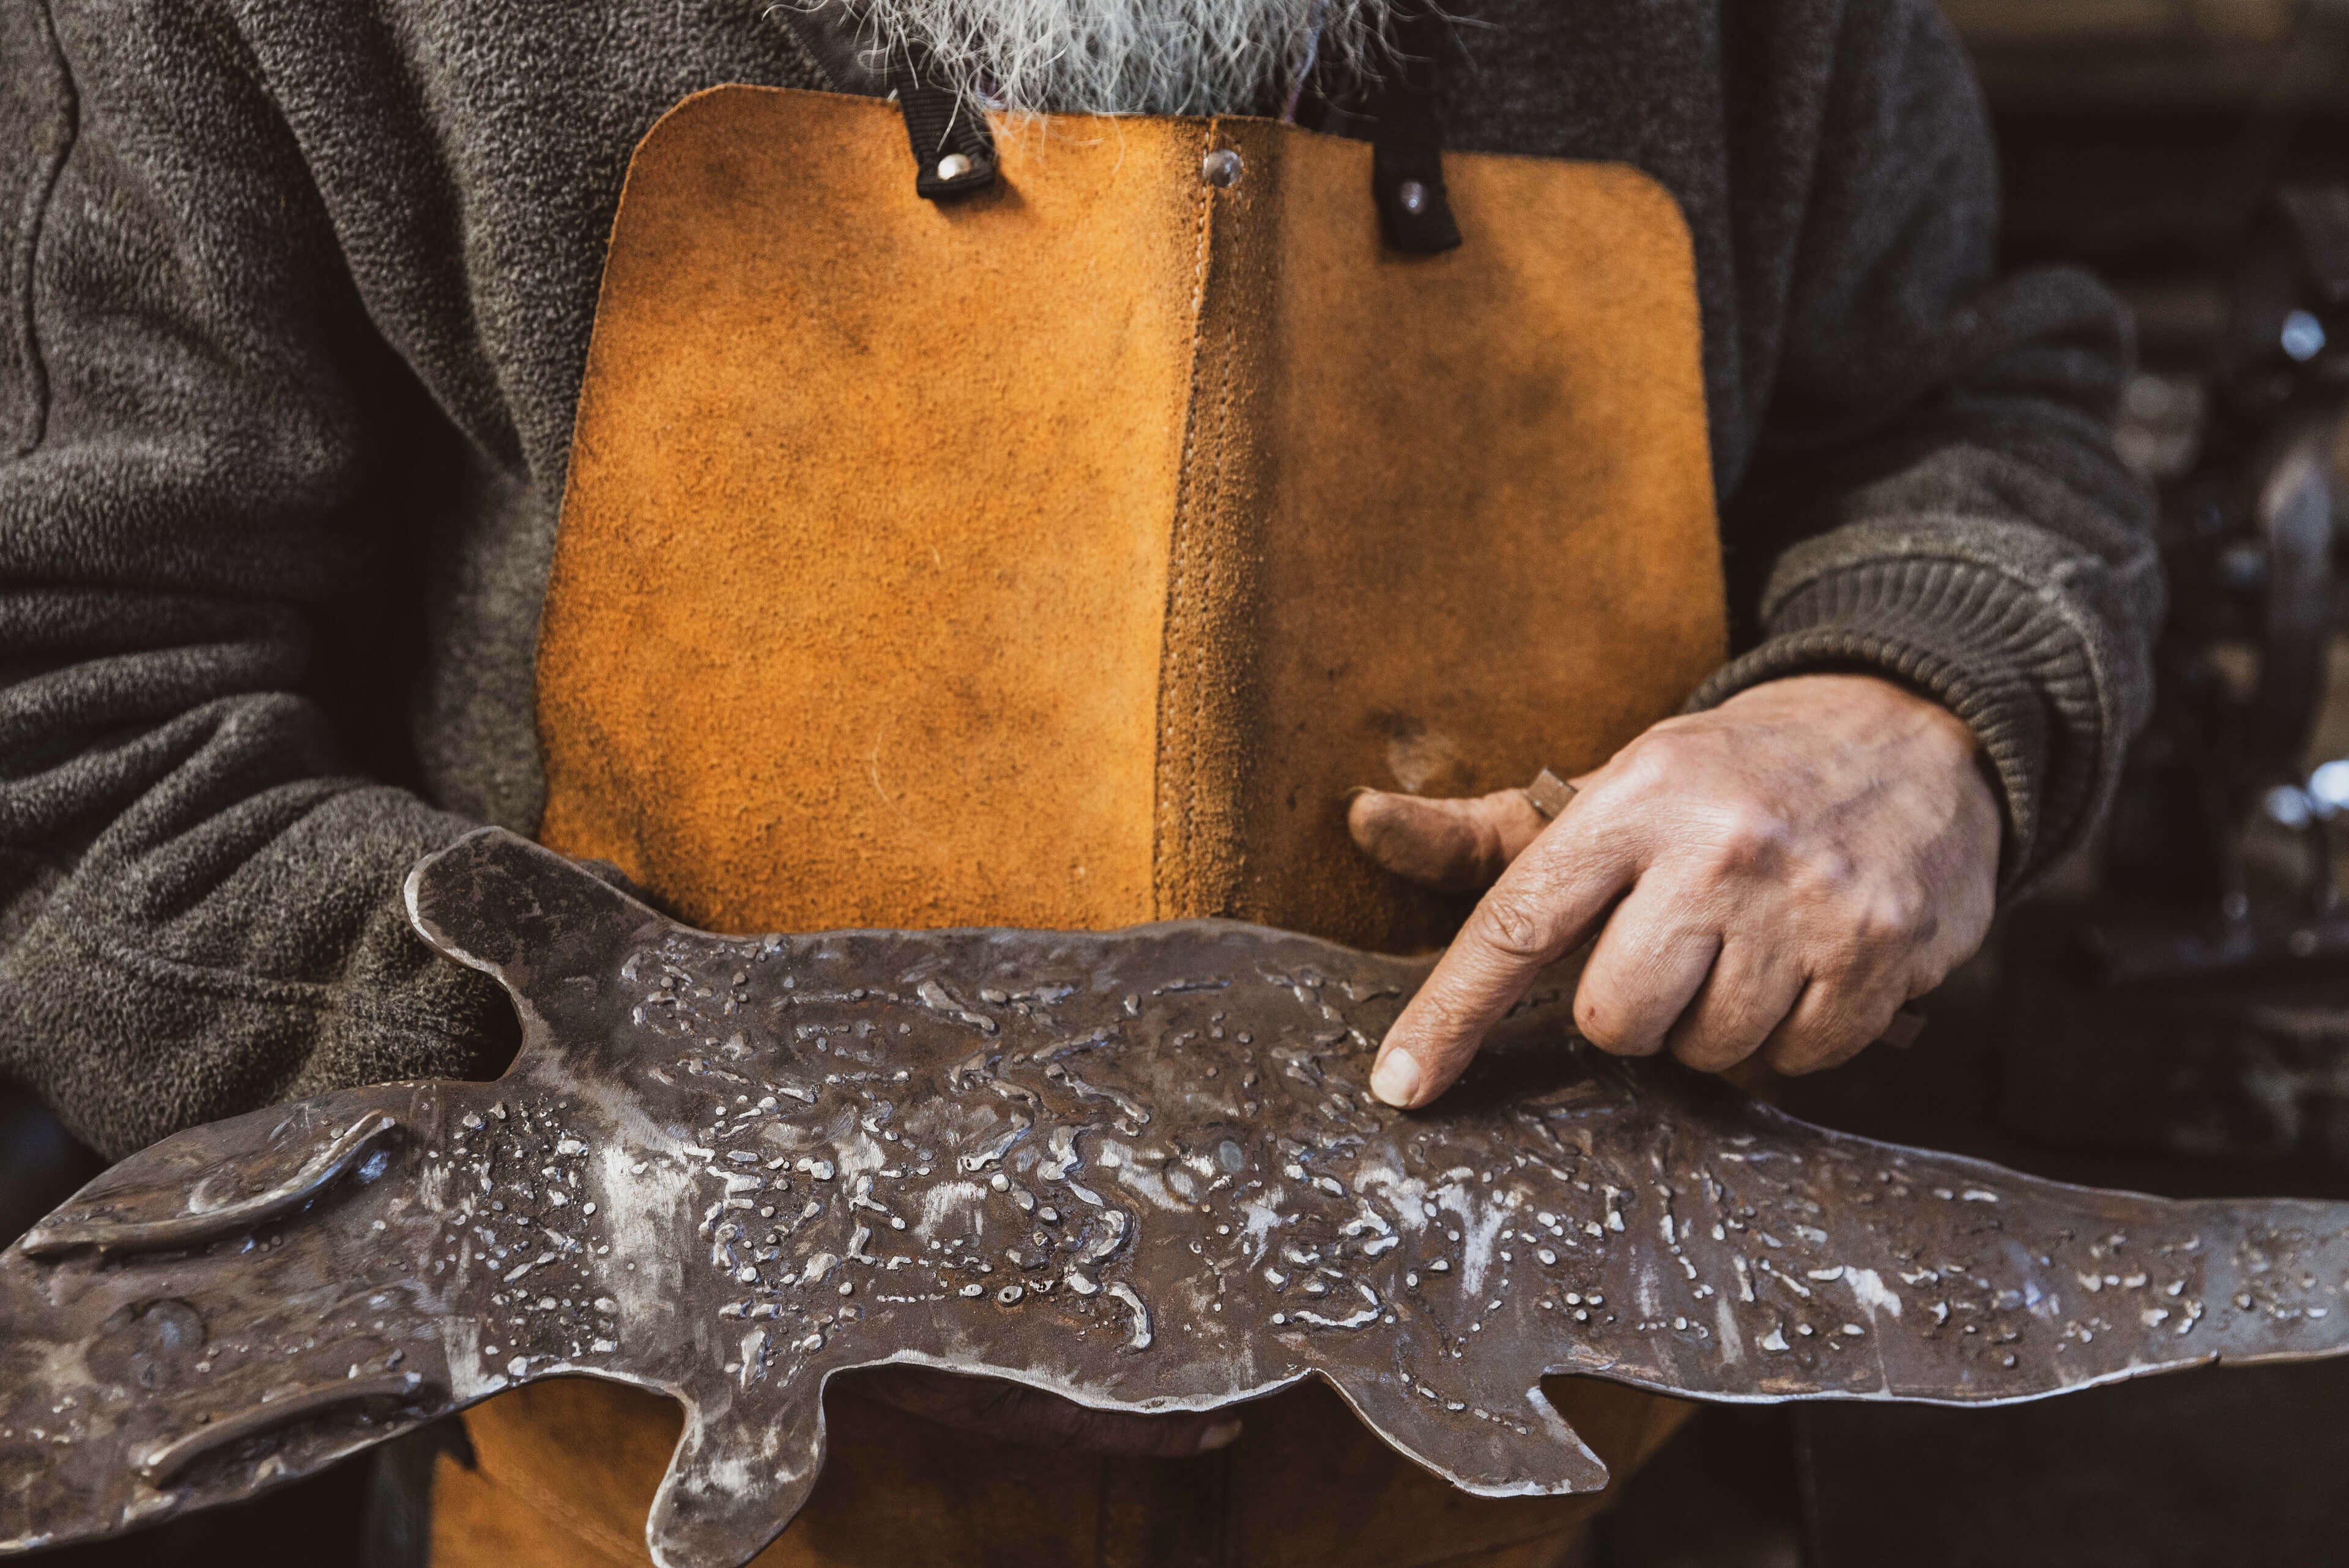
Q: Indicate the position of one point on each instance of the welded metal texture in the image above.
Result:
(1139, 1169)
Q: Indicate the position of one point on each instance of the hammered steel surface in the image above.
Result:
(1139, 1170)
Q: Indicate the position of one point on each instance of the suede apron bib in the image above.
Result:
(1059, 557)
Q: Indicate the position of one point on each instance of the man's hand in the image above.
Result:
(1779, 875)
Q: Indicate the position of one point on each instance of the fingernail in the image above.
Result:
(1396, 1078)
(1223, 1434)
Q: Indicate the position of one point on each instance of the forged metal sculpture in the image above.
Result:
(1138, 1168)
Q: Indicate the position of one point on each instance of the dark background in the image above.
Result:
(2156, 141)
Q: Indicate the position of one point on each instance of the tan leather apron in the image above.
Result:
(1059, 557)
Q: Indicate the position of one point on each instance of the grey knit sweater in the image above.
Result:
(298, 295)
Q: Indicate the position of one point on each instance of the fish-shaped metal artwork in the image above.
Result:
(1139, 1170)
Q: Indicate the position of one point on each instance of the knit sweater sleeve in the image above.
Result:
(199, 894)
(1934, 495)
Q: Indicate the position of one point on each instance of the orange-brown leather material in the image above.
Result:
(857, 600)
(1059, 557)
(1491, 544)
(566, 1470)
(563, 1473)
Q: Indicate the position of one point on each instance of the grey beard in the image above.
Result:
(1123, 56)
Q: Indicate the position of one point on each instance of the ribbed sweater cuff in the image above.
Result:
(1966, 635)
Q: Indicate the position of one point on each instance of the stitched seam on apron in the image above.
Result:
(1202, 661)
(1171, 842)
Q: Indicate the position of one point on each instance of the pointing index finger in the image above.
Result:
(1542, 906)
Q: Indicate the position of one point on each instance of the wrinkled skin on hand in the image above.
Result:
(1774, 877)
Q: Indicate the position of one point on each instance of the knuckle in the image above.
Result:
(1890, 916)
(1647, 765)
(1748, 836)
(1825, 878)
(1518, 924)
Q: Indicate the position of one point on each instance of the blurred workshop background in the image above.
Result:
(2174, 1016)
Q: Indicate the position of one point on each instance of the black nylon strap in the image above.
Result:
(940, 124)
(954, 153)
(831, 41)
(1407, 142)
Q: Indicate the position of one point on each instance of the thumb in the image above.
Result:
(1456, 845)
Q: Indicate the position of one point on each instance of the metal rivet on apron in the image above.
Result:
(953, 166)
(1222, 168)
(1413, 197)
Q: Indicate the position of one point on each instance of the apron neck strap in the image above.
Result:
(954, 154)
(954, 151)
(1407, 141)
